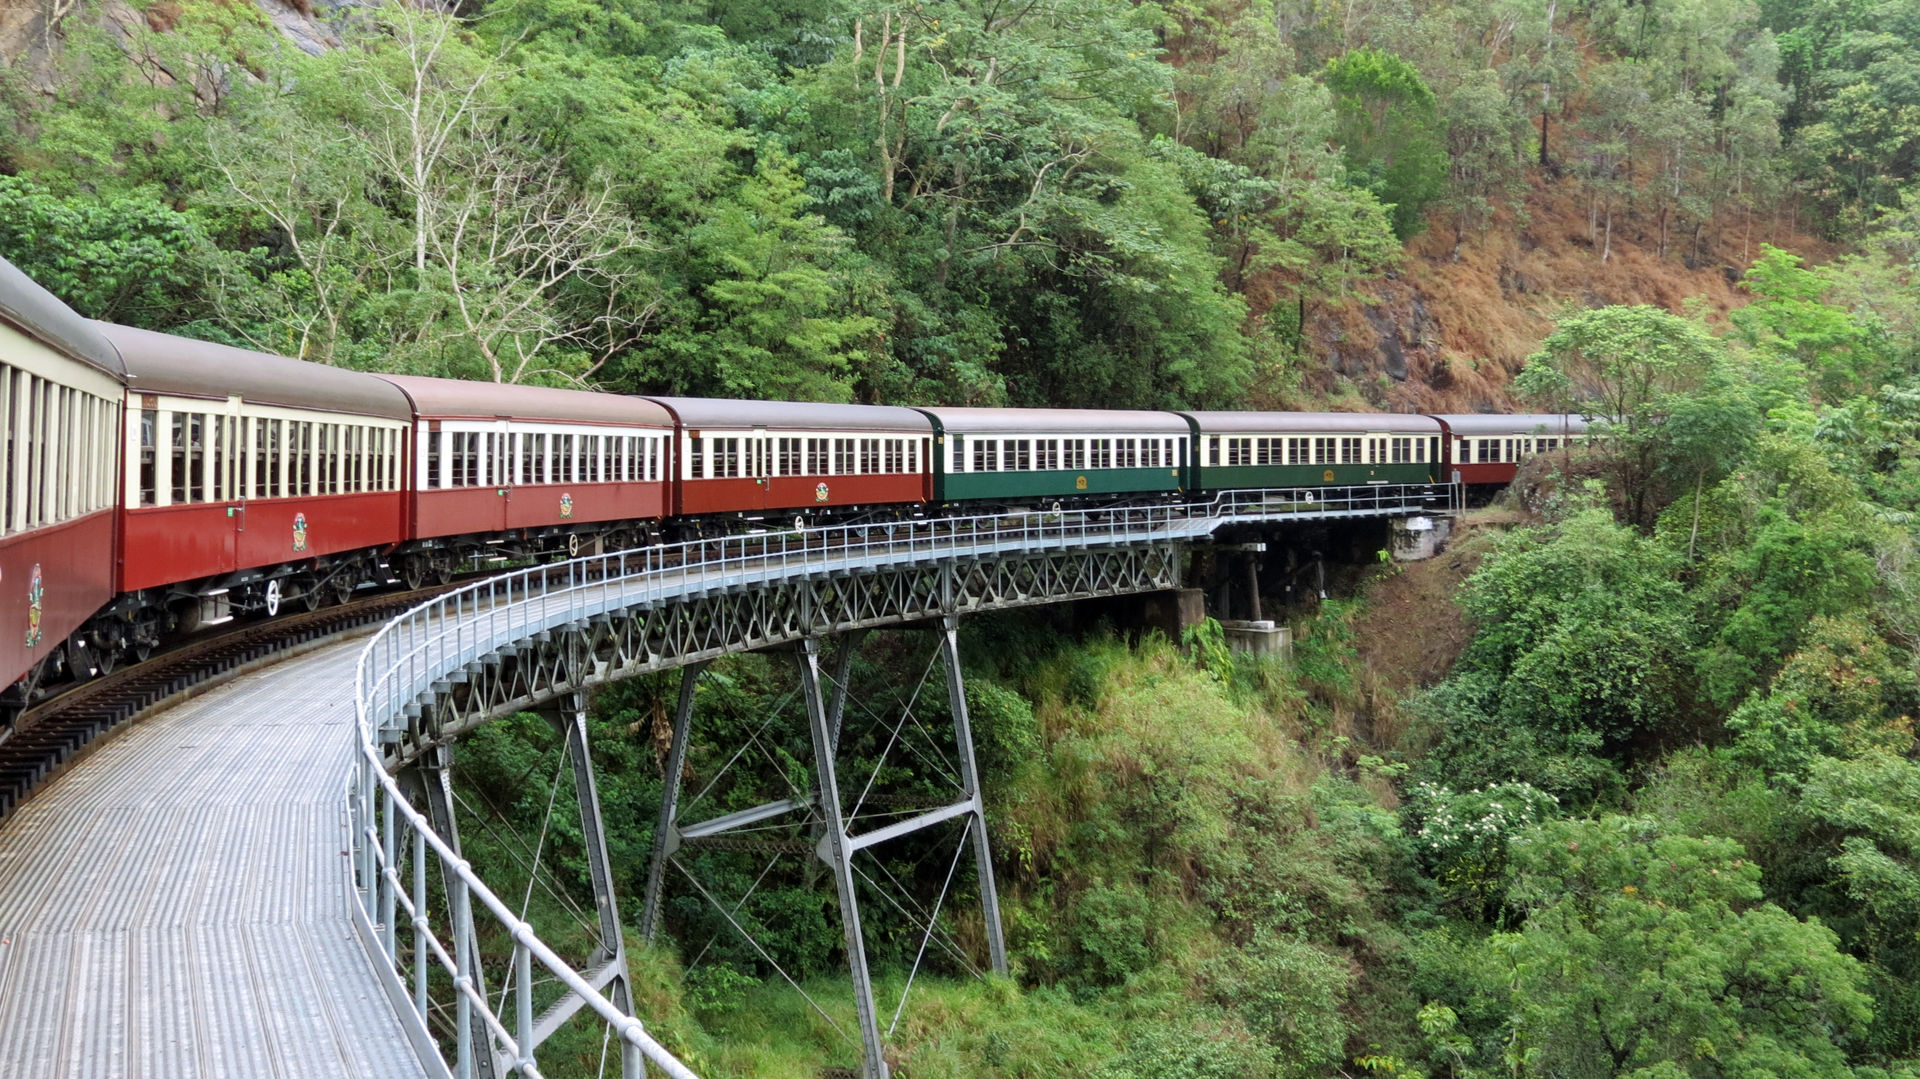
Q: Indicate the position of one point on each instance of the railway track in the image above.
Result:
(54, 734)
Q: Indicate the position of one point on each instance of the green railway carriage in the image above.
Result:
(1242, 450)
(1014, 456)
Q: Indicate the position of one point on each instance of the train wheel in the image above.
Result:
(339, 587)
(413, 572)
(80, 659)
(146, 635)
(272, 597)
(303, 594)
(106, 657)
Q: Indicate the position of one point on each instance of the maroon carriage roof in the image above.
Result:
(1049, 421)
(164, 363)
(1311, 422)
(1482, 424)
(721, 412)
(452, 398)
(40, 315)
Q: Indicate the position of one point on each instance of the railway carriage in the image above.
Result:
(60, 393)
(249, 480)
(758, 459)
(517, 471)
(1313, 449)
(1488, 449)
(1014, 456)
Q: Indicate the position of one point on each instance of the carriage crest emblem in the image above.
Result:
(299, 532)
(566, 506)
(36, 591)
(820, 493)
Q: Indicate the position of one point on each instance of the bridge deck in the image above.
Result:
(174, 905)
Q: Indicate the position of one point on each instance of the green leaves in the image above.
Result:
(1391, 130)
(127, 258)
(1650, 954)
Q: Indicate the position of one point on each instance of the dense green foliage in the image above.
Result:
(1068, 202)
(1661, 818)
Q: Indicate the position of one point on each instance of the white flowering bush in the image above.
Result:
(1462, 836)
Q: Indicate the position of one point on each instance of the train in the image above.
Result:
(154, 484)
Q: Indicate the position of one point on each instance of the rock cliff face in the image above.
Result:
(31, 30)
(1448, 330)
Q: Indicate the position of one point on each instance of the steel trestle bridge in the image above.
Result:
(539, 638)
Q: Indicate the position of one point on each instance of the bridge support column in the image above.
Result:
(836, 849)
(666, 833)
(970, 777)
(473, 1048)
(606, 969)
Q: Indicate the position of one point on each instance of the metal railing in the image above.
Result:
(417, 654)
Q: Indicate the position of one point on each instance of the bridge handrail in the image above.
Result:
(434, 640)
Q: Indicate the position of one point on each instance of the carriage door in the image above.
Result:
(227, 471)
(498, 459)
(759, 451)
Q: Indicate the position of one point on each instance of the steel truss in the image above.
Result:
(825, 813)
(537, 639)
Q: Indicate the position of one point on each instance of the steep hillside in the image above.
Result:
(1448, 331)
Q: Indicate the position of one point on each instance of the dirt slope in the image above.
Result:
(1447, 332)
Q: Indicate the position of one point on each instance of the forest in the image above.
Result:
(1623, 784)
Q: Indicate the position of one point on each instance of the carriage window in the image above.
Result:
(149, 422)
(1048, 457)
(1323, 451)
(1402, 450)
(1020, 455)
(458, 464)
(984, 455)
(1239, 451)
(261, 481)
(1213, 450)
(789, 463)
(1349, 451)
(184, 446)
(696, 458)
(217, 457)
(817, 457)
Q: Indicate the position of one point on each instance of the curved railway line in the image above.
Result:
(62, 729)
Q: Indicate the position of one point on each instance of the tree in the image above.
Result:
(125, 258)
(1845, 351)
(1625, 367)
(1651, 955)
(1580, 651)
(1390, 128)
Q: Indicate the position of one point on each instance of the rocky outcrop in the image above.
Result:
(31, 31)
